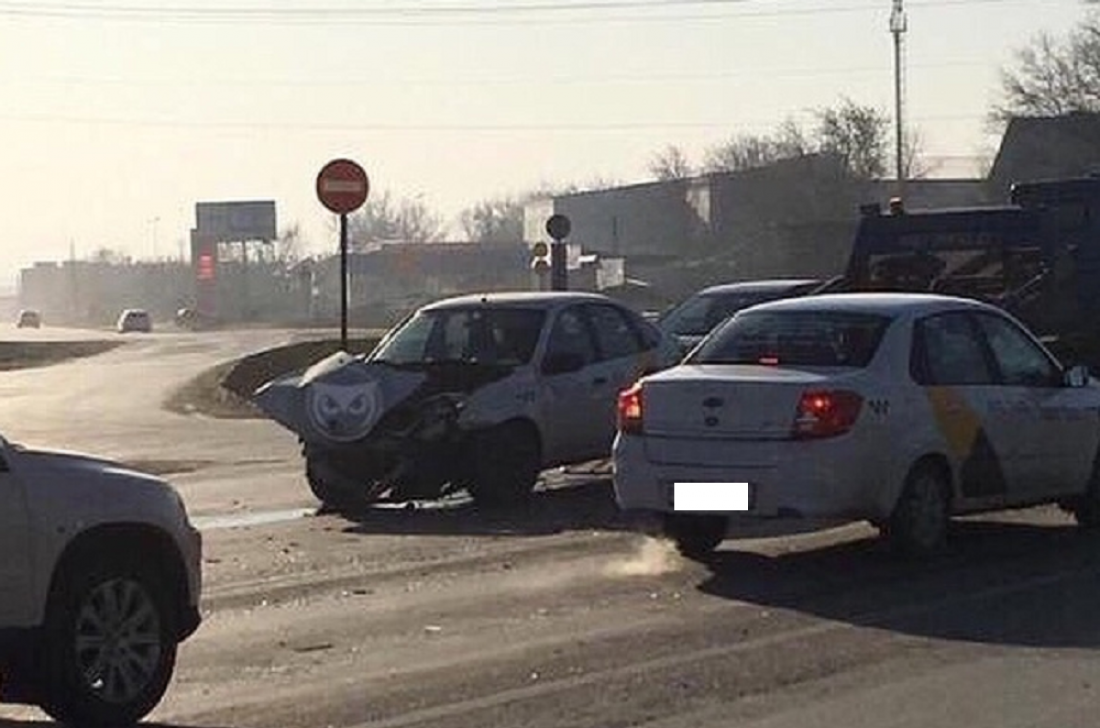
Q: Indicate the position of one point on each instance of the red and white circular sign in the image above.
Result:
(342, 186)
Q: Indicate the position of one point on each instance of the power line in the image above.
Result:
(422, 14)
(261, 126)
(484, 81)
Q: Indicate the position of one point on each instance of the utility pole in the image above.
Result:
(898, 26)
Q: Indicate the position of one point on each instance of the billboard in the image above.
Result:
(229, 222)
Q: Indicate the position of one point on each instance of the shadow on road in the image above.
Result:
(1000, 583)
(585, 506)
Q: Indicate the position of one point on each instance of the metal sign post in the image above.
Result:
(342, 187)
(344, 281)
(557, 227)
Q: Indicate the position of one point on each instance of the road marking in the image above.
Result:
(528, 692)
(260, 518)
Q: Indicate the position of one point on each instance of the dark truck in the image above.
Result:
(1037, 257)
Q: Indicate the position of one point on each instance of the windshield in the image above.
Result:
(798, 338)
(505, 336)
(699, 314)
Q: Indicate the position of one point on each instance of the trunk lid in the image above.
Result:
(732, 401)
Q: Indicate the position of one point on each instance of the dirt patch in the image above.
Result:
(28, 354)
(223, 391)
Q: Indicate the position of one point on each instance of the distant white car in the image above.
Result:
(29, 318)
(135, 319)
(901, 409)
(100, 580)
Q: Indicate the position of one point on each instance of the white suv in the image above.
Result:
(100, 578)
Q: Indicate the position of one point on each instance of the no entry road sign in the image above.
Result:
(342, 186)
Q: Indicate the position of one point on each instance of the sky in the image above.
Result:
(117, 116)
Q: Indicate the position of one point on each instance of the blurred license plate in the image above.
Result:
(710, 496)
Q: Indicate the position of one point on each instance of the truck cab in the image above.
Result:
(1037, 257)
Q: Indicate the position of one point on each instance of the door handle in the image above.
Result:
(599, 381)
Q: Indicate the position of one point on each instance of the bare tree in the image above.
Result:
(914, 163)
(384, 218)
(493, 221)
(670, 163)
(857, 134)
(741, 152)
(1053, 76)
(791, 140)
(289, 244)
(109, 256)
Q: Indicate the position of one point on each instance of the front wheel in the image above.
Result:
(337, 492)
(695, 536)
(110, 642)
(506, 465)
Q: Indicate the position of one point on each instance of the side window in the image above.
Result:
(615, 337)
(647, 332)
(571, 338)
(1022, 363)
(947, 350)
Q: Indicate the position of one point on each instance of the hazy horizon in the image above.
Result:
(119, 118)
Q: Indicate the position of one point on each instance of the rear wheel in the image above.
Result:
(507, 462)
(695, 536)
(919, 524)
(109, 642)
(1086, 508)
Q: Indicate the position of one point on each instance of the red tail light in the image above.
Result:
(826, 413)
(630, 410)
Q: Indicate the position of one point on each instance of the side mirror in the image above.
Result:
(563, 363)
(1077, 376)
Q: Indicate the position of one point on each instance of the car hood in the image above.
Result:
(38, 465)
(343, 398)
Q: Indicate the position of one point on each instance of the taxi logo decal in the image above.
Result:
(980, 471)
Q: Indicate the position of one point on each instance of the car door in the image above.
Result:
(15, 566)
(1058, 425)
(619, 349)
(952, 366)
(566, 385)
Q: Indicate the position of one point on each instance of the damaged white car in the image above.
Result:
(480, 392)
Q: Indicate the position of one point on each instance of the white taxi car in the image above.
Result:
(480, 392)
(899, 409)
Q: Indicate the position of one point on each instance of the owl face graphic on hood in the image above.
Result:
(344, 412)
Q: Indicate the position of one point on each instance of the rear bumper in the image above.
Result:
(818, 480)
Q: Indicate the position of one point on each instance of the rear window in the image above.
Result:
(698, 315)
(795, 338)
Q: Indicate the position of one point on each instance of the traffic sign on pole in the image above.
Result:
(558, 228)
(342, 186)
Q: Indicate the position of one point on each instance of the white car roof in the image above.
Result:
(889, 304)
(530, 299)
(768, 285)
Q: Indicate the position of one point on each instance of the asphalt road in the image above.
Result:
(560, 615)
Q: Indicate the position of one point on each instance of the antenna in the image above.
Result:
(898, 27)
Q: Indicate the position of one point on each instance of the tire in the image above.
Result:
(696, 536)
(507, 463)
(1086, 508)
(336, 492)
(921, 518)
(109, 642)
